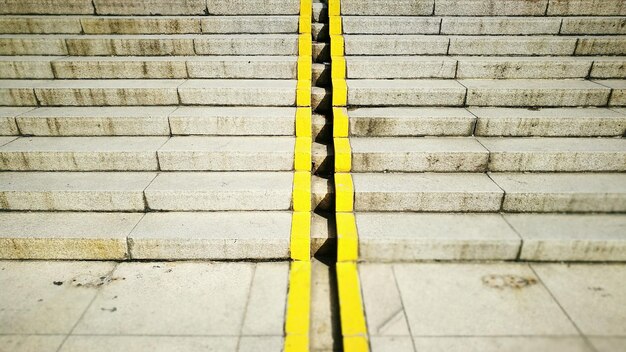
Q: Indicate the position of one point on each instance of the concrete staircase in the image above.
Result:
(148, 129)
(487, 130)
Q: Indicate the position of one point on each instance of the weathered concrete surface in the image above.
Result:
(490, 7)
(405, 93)
(25, 67)
(356, 44)
(8, 127)
(499, 25)
(238, 92)
(40, 24)
(46, 7)
(385, 8)
(512, 45)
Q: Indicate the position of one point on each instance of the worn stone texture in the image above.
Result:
(356, 44)
(47, 7)
(499, 25)
(405, 93)
(246, 44)
(8, 126)
(593, 25)
(385, 8)
(249, 24)
(31, 343)
(587, 7)
(490, 7)
(40, 25)
(140, 25)
(512, 45)
(18, 93)
(119, 68)
(253, 7)
(268, 67)
(150, 7)
(387, 67)
(95, 343)
(618, 91)
(495, 344)
(598, 45)
(608, 67)
(131, 45)
(238, 92)
(522, 67)
(29, 45)
(389, 24)
(26, 67)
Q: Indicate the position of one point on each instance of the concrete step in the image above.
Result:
(559, 192)
(105, 236)
(555, 122)
(25, 24)
(399, 67)
(150, 45)
(509, 192)
(405, 93)
(148, 154)
(147, 92)
(618, 91)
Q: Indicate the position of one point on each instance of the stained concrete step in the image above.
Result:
(148, 121)
(156, 7)
(149, 45)
(232, 67)
(147, 92)
(25, 24)
(471, 192)
(405, 93)
(148, 154)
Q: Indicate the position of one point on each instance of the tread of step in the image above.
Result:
(148, 92)
(511, 192)
(543, 237)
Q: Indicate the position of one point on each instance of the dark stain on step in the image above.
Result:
(508, 281)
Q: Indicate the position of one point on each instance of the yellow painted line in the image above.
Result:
(347, 238)
(340, 92)
(302, 157)
(340, 122)
(302, 191)
(355, 344)
(334, 7)
(303, 122)
(343, 155)
(344, 193)
(338, 68)
(303, 93)
(304, 68)
(336, 46)
(297, 321)
(306, 16)
(334, 25)
(300, 246)
(305, 45)
(351, 306)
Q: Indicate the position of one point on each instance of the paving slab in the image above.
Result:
(618, 91)
(120, 67)
(130, 45)
(195, 191)
(490, 8)
(608, 344)
(325, 323)
(356, 44)
(499, 25)
(593, 25)
(478, 300)
(592, 296)
(389, 24)
(246, 44)
(394, 121)
(562, 192)
(77, 343)
(556, 154)
(270, 67)
(96, 121)
(24, 67)
(81, 154)
(522, 92)
(81, 191)
(265, 314)
(608, 67)
(439, 192)
(266, 121)
(382, 7)
(557, 122)
(47, 7)
(238, 92)
(6, 140)
(494, 344)
(401, 92)
(435, 237)
(31, 343)
(21, 44)
(181, 299)
(512, 45)
(599, 45)
(406, 154)
(522, 67)
(8, 127)
(391, 344)
(212, 235)
(152, 7)
(47, 297)
(140, 25)
(249, 153)
(249, 24)
(587, 7)
(33, 235)
(384, 67)
(570, 237)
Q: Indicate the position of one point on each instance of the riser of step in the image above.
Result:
(487, 154)
(148, 154)
(407, 67)
(143, 191)
(538, 237)
(148, 92)
(171, 236)
(150, 121)
(236, 67)
(532, 93)
(483, 25)
(153, 7)
(483, 7)
(510, 192)
(150, 45)
(356, 44)
(147, 25)
(559, 122)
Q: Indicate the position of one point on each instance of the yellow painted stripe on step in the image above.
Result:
(303, 122)
(300, 245)
(340, 92)
(347, 237)
(298, 307)
(302, 157)
(355, 344)
(334, 8)
(336, 46)
(350, 303)
(306, 16)
(343, 155)
(305, 45)
(301, 191)
(341, 123)
(338, 68)
(344, 193)
(303, 93)
(304, 68)
(334, 25)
